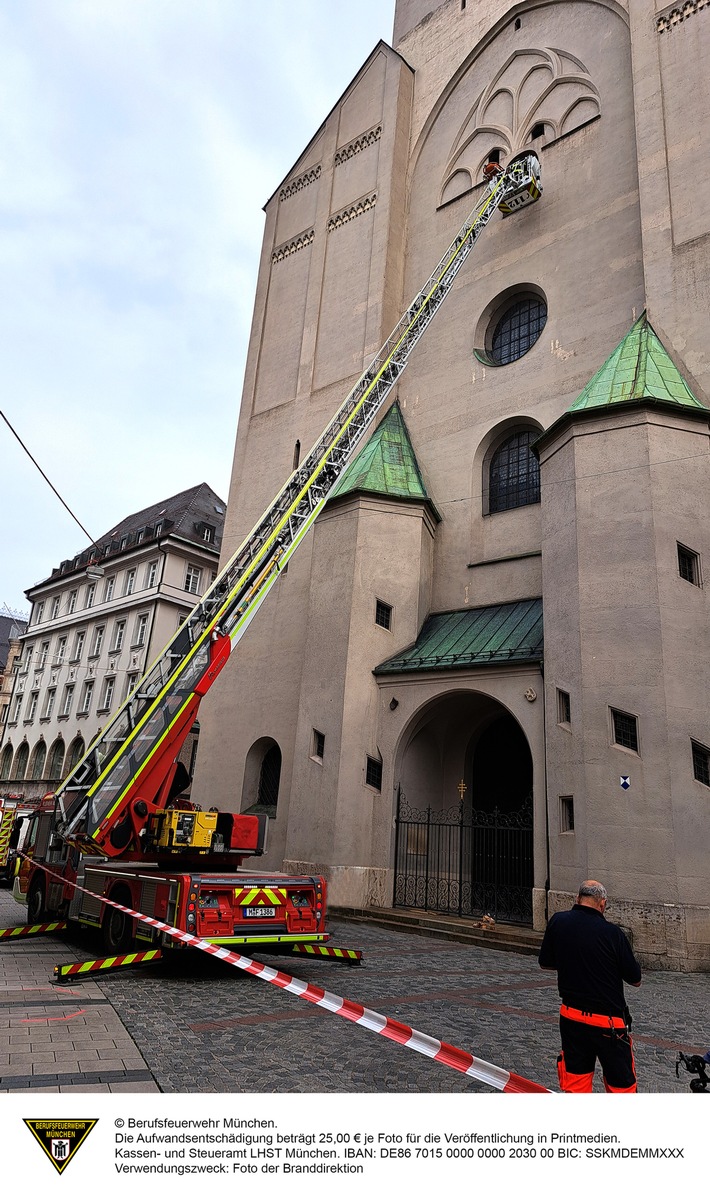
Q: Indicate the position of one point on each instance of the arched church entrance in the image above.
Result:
(464, 826)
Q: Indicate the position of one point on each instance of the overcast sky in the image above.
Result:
(139, 141)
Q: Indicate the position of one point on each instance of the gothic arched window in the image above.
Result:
(514, 476)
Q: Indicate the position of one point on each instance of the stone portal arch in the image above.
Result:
(464, 823)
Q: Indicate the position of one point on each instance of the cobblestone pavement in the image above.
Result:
(54, 1038)
(191, 1024)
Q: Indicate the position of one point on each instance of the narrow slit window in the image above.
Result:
(701, 763)
(566, 814)
(625, 730)
(373, 773)
(564, 709)
(383, 615)
(688, 565)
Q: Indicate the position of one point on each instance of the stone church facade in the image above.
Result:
(485, 674)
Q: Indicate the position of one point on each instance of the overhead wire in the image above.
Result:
(56, 492)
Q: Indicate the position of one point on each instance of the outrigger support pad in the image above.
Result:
(40, 928)
(84, 968)
(345, 954)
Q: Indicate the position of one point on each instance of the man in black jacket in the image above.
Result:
(593, 959)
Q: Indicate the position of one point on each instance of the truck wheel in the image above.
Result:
(35, 901)
(117, 928)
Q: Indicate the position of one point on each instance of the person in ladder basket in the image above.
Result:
(593, 959)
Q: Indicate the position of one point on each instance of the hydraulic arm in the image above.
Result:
(129, 771)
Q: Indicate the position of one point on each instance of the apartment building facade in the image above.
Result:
(96, 623)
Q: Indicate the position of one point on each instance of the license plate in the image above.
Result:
(260, 911)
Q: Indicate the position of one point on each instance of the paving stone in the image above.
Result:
(197, 1025)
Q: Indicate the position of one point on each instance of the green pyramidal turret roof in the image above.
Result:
(386, 464)
(639, 369)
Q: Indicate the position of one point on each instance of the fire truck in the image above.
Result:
(117, 829)
(15, 814)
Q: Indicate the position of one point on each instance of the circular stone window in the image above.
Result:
(517, 329)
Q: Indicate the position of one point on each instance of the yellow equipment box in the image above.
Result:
(182, 829)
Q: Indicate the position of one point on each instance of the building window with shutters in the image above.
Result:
(193, 576)
(87, 697)
(141, 628)
(109, 689)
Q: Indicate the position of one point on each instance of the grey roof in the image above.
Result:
(10, 628)
(184, 515)
(182, 512)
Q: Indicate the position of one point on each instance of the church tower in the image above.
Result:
(510, 579)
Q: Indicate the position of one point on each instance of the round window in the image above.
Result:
(517, 330)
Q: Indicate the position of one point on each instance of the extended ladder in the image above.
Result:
(98, 784)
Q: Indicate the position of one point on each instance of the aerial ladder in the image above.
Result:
(120, 804)
(130, 769)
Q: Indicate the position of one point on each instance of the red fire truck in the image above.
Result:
(116, 826)
(15, 814)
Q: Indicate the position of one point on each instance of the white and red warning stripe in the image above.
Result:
(409, 1037)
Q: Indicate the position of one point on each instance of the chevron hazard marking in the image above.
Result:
(435, 1049)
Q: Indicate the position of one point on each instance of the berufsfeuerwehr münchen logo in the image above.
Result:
(60, 1139)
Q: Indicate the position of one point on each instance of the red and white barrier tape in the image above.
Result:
(409, 1037)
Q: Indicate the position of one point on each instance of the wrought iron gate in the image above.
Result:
(473, 863)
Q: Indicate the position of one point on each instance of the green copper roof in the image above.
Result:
(510, 634)
(386, 464)
(639, 369)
